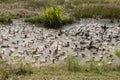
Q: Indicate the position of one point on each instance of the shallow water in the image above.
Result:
(21, 40)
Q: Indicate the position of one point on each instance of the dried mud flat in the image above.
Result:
(41, 46)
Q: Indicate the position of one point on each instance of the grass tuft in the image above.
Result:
(5, 20)
(117, 53)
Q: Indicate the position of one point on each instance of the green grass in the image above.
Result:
(9, 13)
(61, 72)
(76, 65)
(5, 20)
(73, 64)
(109, 9)
(97, 12)
(117, 52)
(35, 19)
(73, 69)
(10, 70)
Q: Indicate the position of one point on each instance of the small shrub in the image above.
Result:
(53, 17)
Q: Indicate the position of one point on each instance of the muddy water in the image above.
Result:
(38, 45)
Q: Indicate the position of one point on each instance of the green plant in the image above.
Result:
(53, 17)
